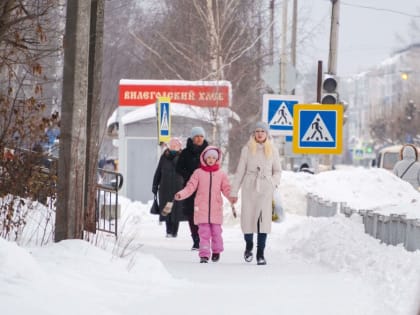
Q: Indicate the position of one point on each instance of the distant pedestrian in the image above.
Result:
(210, 182)
(188, 162)
(408, 168)
(167, 182)
(258, 173)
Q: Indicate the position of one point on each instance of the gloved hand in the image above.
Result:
(233, 200)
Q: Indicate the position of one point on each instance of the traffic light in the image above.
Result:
(329, 90)
(369, 151)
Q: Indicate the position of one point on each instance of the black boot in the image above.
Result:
(196, 243)
(175, 227)
(215, 257)
(204, 260)
(248, 251)
(260, 257)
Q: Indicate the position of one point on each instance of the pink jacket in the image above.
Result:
(208, 202)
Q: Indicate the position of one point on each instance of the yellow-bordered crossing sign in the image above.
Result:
(318, 129)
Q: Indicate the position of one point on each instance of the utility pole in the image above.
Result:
(283, 64)
(80, 114)
(294, 35)
(335, 23)
(271, 32)
(283, 57)
(72, 162)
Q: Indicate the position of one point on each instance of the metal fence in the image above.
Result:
(318, 207)
(393, 229)
(108, 210)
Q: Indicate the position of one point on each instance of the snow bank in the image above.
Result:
(50, 277)
(359, 188)
(17, 264)
(341, 244)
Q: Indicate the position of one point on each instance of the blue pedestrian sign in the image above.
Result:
(318, 129)
(164, 119)
(278, 112)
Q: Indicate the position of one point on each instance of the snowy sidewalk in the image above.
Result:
(287, 285)
(316, 266)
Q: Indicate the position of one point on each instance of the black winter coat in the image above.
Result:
(167, 182)
(188, 162)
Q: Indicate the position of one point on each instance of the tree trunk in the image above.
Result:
(94, 112)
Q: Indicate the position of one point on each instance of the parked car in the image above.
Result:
(387, 157)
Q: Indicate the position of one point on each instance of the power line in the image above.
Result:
(380, 9)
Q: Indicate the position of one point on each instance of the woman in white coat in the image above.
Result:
(408, 168)
(258, 173)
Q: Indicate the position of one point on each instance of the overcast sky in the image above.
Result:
(367, 35)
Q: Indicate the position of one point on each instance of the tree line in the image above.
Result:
(192, 40)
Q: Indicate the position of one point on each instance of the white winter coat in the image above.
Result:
(258, 176)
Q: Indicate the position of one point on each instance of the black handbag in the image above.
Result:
(155, 206)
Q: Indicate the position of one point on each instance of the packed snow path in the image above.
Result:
(286, 285)
(315, 266)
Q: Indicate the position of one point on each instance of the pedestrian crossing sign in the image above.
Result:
(318, 129)
(278, 112)
(164, 119)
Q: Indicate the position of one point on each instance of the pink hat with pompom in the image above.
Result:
(211, 152)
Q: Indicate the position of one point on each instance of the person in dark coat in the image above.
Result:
(167, 182)
(306, 169)
(188, 162)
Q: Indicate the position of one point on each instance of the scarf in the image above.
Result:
(208, 168)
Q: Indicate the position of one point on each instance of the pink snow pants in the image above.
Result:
(210, 239)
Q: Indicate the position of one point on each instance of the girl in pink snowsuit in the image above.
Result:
(210, 182)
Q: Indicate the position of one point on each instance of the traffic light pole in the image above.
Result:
(319, 82)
